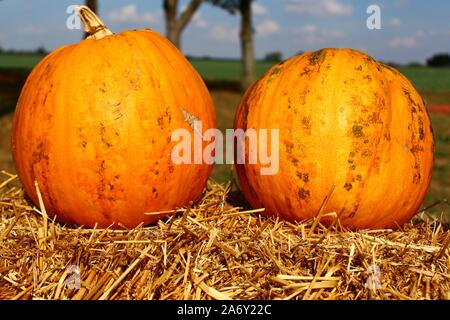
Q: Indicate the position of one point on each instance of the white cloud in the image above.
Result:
(401, 3)
(334, 34)
(130, 13)
(31, 31)
(396, 22)
(431, 33)
(403, 42)
(224, 33)
(258, 9)
(267, 28)
(309, 28)
(198, 21)
(420, 33)
(318, 7)
(362, 49)
(311, 35)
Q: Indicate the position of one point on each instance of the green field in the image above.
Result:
(225, 70)
(427, 79)
(431, 80)
(19, 61)
(433, 83)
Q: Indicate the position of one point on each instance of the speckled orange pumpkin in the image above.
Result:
(346, 121)
(93, 127)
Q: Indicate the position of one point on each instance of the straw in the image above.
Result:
(213, 250)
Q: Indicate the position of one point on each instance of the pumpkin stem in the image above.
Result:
(92, 24)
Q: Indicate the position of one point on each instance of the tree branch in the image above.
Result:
(170, 9)
(187, 14)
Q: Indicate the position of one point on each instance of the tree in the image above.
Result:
(244, 7)
(176, 23)
(439, 60)
(248, 53)
(93, 5)
(41, 51)
(275, 56)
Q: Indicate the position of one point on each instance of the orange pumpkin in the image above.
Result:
(93, 128)
(348, 126)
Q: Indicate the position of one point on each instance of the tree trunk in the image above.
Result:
(172, 30)
(247, 50)
(93, 5)
(176, 24)
(174, 36)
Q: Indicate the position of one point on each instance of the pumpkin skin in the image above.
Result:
(93, 127)
(346, 121)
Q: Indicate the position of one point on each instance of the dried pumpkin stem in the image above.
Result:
(92, 24)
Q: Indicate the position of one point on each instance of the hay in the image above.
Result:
(213, 250)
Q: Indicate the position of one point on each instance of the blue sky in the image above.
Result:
(412, 30)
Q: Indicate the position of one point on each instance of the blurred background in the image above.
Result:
(231, 43)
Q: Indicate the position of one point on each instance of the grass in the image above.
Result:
(427, 79)
(225, 70)
(9, 92)
(440, 185)
(226, 104)
(433, 83)
(19, 61)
